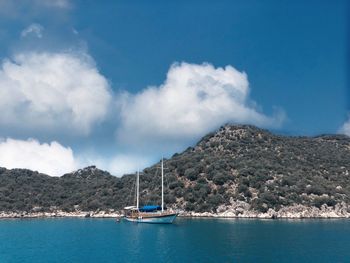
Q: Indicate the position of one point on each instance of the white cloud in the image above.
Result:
(55, 159)
(120, 164)
(193, 100)
(345, 129)
(64, 92)
(54, 92)
(35, 29)
(52, 159)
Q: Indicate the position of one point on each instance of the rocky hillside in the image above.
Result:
(235, 165)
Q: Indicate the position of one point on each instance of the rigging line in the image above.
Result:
(165, 177)
(166, 181)
(156, 180)
(130, 194)
(156, 176)
(140, 192)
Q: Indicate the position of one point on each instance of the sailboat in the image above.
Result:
(154, 214)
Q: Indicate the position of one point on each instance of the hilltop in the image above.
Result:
(239, 170)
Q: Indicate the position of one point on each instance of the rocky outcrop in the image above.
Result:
(240, 209)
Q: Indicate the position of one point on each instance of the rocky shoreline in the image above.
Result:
(60, 214)
(241, 209)
(237, 209)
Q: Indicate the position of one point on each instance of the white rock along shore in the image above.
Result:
(59, 213)
(237, 209)
(240, 209)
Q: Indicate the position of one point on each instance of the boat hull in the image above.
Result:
(159, 219)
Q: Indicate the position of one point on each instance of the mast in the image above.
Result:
(162, 186)
(137, 189)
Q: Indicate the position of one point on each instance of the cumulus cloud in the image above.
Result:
(120, 164)
(54, 92)
(52, 158)
(345, 129)
(55, 159)
(193, 100)
(35, 29)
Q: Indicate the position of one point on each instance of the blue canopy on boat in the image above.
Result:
(150, 208)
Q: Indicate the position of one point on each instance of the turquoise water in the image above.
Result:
(189, 240)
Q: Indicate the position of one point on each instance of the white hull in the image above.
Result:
(166, 219)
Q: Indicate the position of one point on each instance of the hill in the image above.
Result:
(241, 169)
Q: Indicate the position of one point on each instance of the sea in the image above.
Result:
(77, 240)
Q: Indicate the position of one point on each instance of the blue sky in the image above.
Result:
(280, 65)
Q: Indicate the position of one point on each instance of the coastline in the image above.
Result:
(60, 214)
(237, 209)
(241, 209)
